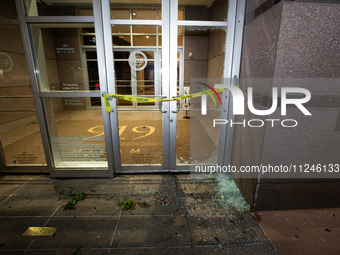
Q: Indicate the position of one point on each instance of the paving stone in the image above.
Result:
(8, 187)
(29, 206)
(156, 205)
(102, 187)
(12, 229)
(68, 252)
(203, 204)
(153, 251)
(22, 177)
(153, 187)
(233, 228)
(46, 186)
(198, 187)
(12, 252)
(93, 205)
(153, 231)
(252, 249)
(78, 232)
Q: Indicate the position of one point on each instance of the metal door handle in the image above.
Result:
(178, 105)
(160, 106)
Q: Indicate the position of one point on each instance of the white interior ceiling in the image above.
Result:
(206, 3)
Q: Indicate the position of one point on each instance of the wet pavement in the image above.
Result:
(162, 214)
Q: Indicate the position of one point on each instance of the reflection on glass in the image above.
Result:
(19, 130)
(76, 134)
(141, 137)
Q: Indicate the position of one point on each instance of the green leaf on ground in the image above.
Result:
(79, 197)
(70, 206)
(127, 204)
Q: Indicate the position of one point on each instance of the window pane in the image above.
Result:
(62, 62)
(19, 130)
(76, 134)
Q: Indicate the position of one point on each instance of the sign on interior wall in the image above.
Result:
(65, 49)
(73, 102)
(6, 62)
(70, 86)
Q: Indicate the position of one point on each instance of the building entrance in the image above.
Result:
(76, 53)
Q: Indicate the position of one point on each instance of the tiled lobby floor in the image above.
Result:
(170, 215)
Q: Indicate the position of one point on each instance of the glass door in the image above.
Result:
(140, 125)
(133, 37)
(159, 51)
(211, 50)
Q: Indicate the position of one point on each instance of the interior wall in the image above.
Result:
(52, 66)
(197, 43)
(217, 40)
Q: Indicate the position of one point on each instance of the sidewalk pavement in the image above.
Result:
(170, 214)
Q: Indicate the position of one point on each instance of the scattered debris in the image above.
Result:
(143, 205)
(161, 201)
(71, 204)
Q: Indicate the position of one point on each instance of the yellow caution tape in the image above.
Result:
(149, 99)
